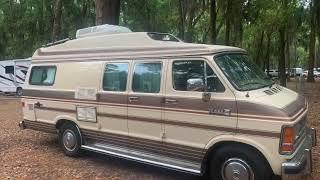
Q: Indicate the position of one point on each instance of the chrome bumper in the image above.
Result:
(301, 163)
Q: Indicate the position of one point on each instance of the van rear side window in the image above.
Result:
(42, 75)
(147, 77)
(115, 77)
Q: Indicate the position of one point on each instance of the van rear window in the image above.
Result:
(42, 75)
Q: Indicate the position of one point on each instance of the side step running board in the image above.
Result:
(143, 160)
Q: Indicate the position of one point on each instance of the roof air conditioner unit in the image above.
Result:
(101, 30)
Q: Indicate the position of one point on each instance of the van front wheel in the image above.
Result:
(238, 162)
(70, 139)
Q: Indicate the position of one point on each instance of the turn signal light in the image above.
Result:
(287, 140)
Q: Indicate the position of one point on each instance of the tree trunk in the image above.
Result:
(317, 9)
(84, 12)
(240, 33)
(182, 19)
(282, 63)
(213, 21)
(268, 53)
(227, 35)
(148, 24)
(312, 43)
(189, 34)
(258, 55)
(107, 12)
(288, 53)
(295, 54)
(56, 33)
(228, 23)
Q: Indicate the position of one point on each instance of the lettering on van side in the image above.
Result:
(219, 111)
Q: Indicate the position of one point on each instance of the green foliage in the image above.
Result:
(26, 25)
(302, 57)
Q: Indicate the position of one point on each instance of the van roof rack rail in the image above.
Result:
(56, 42)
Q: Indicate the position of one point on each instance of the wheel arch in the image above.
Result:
(60, 120)
(210, 151)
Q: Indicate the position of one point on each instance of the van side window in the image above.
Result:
(196, 72)
(115, 77)
(42, 75)
(147, 77)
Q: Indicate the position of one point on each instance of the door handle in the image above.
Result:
(171, 101)
(38, 104)
(133, 99)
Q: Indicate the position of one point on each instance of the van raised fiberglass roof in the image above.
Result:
(124, 44)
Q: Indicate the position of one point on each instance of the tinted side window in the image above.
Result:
(184, 70)
(42, 75)
(115, 77)
(147, 78)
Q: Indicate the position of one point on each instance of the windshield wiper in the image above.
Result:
(249, 83)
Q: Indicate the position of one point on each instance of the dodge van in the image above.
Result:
(151, 98)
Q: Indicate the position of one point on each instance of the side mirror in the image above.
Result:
(195, 84)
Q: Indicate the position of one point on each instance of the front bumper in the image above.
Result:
(301, 163)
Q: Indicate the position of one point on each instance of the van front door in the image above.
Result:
(197, 108)
(145, 106)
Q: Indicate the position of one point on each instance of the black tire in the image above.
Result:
(71, 130)
(19, 92)
(257, 164)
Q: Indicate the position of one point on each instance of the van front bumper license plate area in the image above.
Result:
(301, 163)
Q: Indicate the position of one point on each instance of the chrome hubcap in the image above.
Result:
(69, 140)
(236, 169)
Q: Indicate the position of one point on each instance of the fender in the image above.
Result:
(69, 118)
(65, 117)
(238, 138)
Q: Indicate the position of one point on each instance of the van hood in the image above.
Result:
(276, 103)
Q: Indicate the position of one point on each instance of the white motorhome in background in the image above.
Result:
(296, 72)
(13, 74)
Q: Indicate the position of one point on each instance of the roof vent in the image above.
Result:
(163, 37)
(273, 90)
(101, 30)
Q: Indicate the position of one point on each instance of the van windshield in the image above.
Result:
(241, 72)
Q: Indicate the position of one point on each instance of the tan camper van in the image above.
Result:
(148, 97)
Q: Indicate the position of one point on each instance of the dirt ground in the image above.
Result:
(34, 155)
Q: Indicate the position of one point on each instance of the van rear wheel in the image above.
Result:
(238, 162)
(70, 139)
